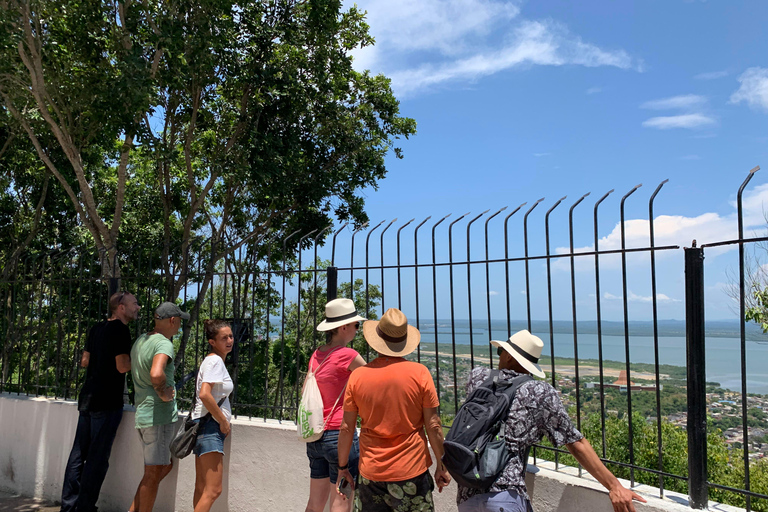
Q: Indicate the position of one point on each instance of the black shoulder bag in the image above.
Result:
(186, 437)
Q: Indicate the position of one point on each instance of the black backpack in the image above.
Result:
(475, 453)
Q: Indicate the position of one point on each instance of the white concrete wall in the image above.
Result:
(36, 436)
(266, 468)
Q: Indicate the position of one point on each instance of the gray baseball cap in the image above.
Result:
(169, 310)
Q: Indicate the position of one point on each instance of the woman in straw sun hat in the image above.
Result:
(395, 399)
(340, 326)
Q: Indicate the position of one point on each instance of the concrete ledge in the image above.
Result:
(37, 436)
(265, 467)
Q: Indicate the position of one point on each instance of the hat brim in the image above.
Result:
(387, 348)
(325, 325)
(534, 368)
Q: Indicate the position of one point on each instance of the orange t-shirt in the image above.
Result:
(390, 395)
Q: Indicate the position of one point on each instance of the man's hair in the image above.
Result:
(115, 300)
(212, 328)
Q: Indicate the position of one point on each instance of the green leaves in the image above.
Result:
(759, 312)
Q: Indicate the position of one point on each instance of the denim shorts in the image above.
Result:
(324, 456)
(157, 444)
(209, 438)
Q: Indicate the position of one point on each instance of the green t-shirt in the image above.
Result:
(150, 410)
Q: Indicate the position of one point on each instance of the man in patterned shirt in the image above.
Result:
(536, 411)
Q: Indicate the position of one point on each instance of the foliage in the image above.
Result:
(723, 468)
(273, 339)
(758, 310)
(181, 132)
(297, 338)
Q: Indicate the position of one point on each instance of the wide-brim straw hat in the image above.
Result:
(526, 349)
(391, 336)
(339, 312)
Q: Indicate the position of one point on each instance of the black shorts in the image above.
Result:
(412, 495)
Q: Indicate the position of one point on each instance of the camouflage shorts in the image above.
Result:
(413, 495)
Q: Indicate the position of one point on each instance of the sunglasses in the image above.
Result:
(357, 325)
(499, 351)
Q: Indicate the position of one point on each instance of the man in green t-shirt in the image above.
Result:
(152, 369)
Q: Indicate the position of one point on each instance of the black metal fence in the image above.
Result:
(462, 280)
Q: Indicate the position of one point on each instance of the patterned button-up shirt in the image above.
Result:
(536, 411)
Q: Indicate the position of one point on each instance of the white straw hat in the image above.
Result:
(339, 312)
(526, 349)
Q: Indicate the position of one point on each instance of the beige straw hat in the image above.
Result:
(339, 312)
(526, 349)
(391, 336)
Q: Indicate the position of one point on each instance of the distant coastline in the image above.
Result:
(670, 328)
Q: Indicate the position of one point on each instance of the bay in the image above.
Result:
(723, 354)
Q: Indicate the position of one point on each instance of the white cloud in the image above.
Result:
(422, 44)
(632, 297)
(753, 89)
(539, 155)
(689, 104)
(680, 230)
(712, 75)
(493, 293)
(594, 90)
(690, 157)
(684, 102)
(448, 26)
(689, 121)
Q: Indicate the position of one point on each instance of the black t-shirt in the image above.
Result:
(104, 385)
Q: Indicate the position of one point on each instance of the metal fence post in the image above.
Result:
(114, 285)
(332, 280)
(697, 403)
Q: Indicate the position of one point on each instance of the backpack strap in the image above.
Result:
(321, 362)
(510, 389)
(194, 403)
(333, 409)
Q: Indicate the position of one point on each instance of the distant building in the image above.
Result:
(621, 384)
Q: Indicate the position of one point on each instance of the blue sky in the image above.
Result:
(521, 100)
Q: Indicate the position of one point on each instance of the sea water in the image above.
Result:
(723, 354)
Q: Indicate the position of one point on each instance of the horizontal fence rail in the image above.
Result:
(462, 280)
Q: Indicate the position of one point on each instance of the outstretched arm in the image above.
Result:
(621, 497)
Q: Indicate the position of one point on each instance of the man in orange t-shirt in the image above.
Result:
(396, 400)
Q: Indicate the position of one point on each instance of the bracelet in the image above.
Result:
(345, 466)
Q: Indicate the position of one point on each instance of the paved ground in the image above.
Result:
(13, 503)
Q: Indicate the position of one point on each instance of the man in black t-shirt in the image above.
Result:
(107, 359)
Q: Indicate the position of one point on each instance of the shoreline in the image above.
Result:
(569, 370)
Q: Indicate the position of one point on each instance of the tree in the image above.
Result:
(208, 126)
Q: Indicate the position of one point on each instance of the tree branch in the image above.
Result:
(52, 167)
(7, 144)
(33, 63)
(10, 266)
(188, 145)
(121, 179)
